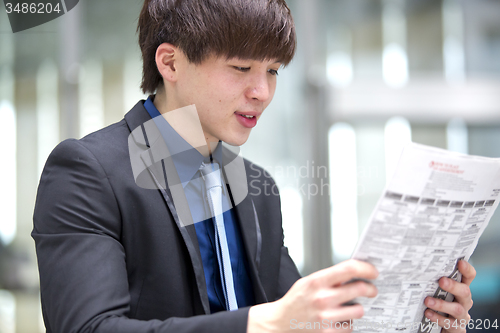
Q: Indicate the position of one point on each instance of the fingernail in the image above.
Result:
(445, 282)
(431, 302)
(429, 314)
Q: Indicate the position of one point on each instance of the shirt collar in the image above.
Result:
(186, 158)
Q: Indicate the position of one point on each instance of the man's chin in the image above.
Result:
(236, 141)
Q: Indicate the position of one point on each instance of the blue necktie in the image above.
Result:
(212, 176)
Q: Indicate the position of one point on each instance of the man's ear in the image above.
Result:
(166, 58)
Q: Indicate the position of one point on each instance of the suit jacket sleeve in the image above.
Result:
(82, 264)
(288, 273)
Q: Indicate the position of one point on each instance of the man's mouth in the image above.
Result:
(247, 119)
(248, 114)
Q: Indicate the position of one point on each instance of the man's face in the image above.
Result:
(229, 95)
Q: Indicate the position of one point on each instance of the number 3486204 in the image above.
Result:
(32, 8)
(478, 324)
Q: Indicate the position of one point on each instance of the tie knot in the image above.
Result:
(211, 175)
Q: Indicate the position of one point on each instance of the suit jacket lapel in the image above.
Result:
(251, 236)
(191, 240)
(150, 150)
(235, 175)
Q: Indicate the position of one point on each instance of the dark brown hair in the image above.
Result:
(247, 29)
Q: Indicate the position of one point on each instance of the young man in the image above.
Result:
(133, 234)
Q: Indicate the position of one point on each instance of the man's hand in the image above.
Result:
(458, 310)
(317, 298)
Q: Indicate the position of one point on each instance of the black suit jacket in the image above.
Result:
(113, 257)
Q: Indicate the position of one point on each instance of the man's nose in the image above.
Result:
(259, 89)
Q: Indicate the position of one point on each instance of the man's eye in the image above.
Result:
(273, 72)
(242, 69)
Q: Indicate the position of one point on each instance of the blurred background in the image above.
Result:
(369, 76)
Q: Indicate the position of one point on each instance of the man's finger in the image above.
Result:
(335, 296)
(346, 271)
(344, 314)
(460, 290)
(453, 309)
(468, 272)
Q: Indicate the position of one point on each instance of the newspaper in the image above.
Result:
(430, 216)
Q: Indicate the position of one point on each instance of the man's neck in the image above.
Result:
(186, 122)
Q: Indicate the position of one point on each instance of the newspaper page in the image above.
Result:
(430, 215)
